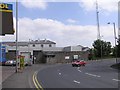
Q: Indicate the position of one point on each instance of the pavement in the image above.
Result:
(21, 79)
(7, 71)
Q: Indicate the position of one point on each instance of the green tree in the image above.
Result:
(101, 48)
(97, 48)
(91, 54)
(108, 48)
(118, 47)
(113, 51)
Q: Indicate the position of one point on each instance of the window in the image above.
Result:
(50, 45)
(33, 45)
(41, 45)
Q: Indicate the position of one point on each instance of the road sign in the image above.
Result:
(6, 19)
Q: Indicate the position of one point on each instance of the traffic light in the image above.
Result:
(6, 19)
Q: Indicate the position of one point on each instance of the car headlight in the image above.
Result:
(11, 62)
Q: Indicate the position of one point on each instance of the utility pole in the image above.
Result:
(115, 37)
(16, 36)
(115, 41)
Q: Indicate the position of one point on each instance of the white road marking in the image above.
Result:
(79, 70)
(93, 75)
(116, 80)
(76, 82)
(59, 73)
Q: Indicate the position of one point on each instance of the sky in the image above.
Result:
(68, 23)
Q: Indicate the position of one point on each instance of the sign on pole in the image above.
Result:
(6, 19)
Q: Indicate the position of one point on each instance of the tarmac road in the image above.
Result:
(96, 74)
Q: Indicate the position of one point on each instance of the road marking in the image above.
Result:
(116, 80)
(59, 73)
(76, 82)
(36, 83)
(79, 70)
(93, 75)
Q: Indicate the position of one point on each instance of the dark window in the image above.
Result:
(50, 45)
(42, 45)
(33, 45)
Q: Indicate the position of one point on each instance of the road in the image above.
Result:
(96, 74)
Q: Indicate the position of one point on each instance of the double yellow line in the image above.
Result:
(36, 83)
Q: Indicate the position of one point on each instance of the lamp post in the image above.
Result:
(16, 70)
(115, 37)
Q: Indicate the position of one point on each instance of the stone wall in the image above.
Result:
(59, 57)
(53, 57)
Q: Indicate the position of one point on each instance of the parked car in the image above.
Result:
(78, 63)
(10, 63)
(2, 63)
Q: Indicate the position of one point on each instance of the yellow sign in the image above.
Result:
(4, 6)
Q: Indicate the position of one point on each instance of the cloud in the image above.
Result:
(39, 4)
(57, 31)
(107, 5)
(71, 21)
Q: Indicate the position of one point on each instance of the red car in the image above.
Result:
(78, 63)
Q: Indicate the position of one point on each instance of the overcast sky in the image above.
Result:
(66, 23)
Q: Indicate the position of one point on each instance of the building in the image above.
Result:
(45, 51)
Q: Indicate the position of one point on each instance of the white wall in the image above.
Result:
(30, 48)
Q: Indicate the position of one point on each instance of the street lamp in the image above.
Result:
(115, 39)
(16, 69)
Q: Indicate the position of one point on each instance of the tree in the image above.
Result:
(101, 48)
(91, 54)
(108, 48)
(118, 47)
(97, 48)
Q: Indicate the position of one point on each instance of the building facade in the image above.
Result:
(44, 51)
